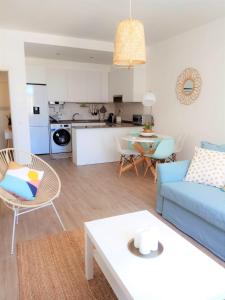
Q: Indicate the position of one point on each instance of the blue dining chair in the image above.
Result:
(162, 152)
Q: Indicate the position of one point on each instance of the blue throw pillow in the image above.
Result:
(210, 146)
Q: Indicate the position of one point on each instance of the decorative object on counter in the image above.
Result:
(74, 116)
(102, 112)
(48, 190)
(111, 118)
(118, 117)
(129, 44)
(188, 86)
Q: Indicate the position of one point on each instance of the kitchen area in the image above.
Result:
(78, 105)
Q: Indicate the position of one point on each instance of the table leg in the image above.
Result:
(89, 267)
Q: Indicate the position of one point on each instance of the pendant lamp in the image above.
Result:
(129, 44)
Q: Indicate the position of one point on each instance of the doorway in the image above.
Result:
(5, 112)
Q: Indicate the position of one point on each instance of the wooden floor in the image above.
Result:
(88, 192)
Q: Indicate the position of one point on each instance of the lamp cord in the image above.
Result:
(130, 10)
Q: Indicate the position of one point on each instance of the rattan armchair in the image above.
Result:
(48, 190)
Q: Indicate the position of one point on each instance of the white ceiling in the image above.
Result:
(66, 53)
(97, 19)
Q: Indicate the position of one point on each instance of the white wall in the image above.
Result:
(4, 107)
(12, 59)
(204, 49)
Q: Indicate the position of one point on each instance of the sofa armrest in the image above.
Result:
(169, 172)
(172, 172)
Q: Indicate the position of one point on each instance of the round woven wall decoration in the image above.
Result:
(188, 86)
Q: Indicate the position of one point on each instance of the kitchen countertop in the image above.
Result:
(107, 125)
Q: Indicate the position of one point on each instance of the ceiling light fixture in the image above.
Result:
(129, 44)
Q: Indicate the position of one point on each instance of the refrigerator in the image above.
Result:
(38, 118)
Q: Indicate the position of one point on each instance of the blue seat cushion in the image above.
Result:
(204, 201)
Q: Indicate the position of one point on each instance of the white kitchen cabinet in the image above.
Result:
(87, 86)
(97, 86)
(129, 83)
(57, 82)
(36, 74)
(77, 91)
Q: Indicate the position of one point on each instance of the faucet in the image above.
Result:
(74, 115)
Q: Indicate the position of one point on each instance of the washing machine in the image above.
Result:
(61, 138)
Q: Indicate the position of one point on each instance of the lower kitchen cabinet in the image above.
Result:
(97, 145)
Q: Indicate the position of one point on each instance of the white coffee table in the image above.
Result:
(181, 272)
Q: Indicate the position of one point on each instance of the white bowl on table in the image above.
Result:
(146, 133)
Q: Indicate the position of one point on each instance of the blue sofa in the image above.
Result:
(196, 209)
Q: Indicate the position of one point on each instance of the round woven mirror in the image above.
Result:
(188, 86)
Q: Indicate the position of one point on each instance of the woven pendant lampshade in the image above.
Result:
(129, 44)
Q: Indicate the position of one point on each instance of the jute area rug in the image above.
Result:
(53, 268)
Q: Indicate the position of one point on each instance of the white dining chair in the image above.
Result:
(179, 145)
(127, 157)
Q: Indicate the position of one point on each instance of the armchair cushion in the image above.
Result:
(21, 181)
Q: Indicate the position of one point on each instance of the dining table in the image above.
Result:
(137, 142)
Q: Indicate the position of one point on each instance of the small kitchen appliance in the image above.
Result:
(138, 119)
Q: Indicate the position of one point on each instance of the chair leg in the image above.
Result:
(155, 172)
(121, 165)
(57, 214)
(14, 229)
(174, 157)
(133, 163)
(148, 162)
(17, 217)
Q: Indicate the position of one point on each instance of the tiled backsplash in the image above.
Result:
(66, 111)
(128, 109)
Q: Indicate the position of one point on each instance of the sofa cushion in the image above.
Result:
(204, 201)
(210, 146)
(207, 167)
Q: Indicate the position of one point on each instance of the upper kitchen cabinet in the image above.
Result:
(97, 86)
(57, 84)
(128, 83)
(36, 74)
(87, 86)
(77, 91)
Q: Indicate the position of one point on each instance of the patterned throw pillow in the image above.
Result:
(22, 181)
(207, 167)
